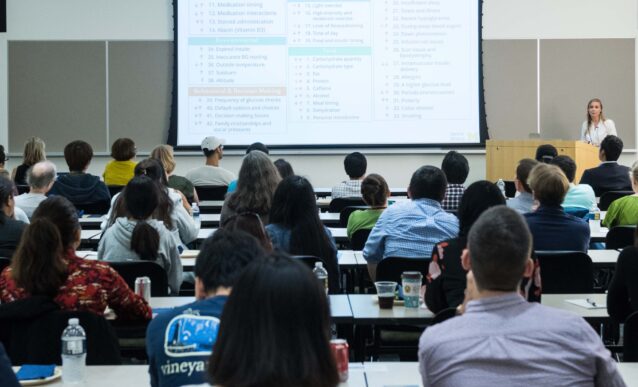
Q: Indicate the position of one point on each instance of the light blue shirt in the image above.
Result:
(581, 195)
(505, 340)
(410, 229)
(522, 203)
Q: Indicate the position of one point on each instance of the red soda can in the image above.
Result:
(340, 351)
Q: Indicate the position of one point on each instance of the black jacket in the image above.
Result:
(607, 177)
(81, 188)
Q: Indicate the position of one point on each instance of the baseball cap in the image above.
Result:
(212, 143)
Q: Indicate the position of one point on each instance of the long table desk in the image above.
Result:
(559, 301)
(369, 374)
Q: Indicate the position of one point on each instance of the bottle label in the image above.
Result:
(74, 347)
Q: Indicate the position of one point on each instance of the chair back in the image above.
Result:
(309, 260)
(338, 204)
(211, 192)
(391, 268)
(359, 239)
(115, 189)
(578, 212)
(630, 344)
(620, 237)
(565, 272)
(130, 270)
(345, 212)
(608, 197)
(96, 208)
(4, 262)
(30, 330)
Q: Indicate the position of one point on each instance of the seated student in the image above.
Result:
(624, 211)
(622, 295)
(164, 154)
(284, 168)
(250, 223)
(581, 195)
(137, 236)
(40, 177)
(609, 175)
(545, 153)
(551, 227)
(173, 209)
(446, 276)
(120, 170)
(501, 339)
(523, 202)
(355, 165)
(258, 146)
(410, 229)
(78, 186)
(33, 153)
(187, 334)
(375, 192)
(46, 264)
(284, 308)
(295, 226)
(211, 173)
(10, 228)
(456, 169)
(3, 159)
(258, 180)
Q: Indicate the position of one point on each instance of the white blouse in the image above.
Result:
(597, 133)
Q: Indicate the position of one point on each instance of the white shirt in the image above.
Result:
(597, 133)
(28, 202)
(210, 175)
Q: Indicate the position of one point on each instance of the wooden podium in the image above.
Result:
(502, 156)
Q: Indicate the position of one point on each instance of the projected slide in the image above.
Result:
(310, 72)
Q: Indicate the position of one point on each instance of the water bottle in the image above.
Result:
(73, 353)
(501, 185)
(196, 217)
(322, 275)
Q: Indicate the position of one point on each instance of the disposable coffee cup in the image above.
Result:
(385, 292)
(411, 283)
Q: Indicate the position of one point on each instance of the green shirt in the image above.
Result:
(622, 212)
(363, 220)
(182, 184)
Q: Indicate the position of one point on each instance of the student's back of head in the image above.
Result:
(612, 147)
(256, 184)
(455, 167)
(523, 170)
(478, 197)
(567, 165)
(123, 149)
(222, 258)
(41, 176)
(284, 168)
(374, 190)
(250, 223)
(549, 184)
(61, 212)
(355, 165)
(499, 247)
(141, 197)
(257, 146)
(428, 182)
(275, 329)
(545, 153)
(78, 155)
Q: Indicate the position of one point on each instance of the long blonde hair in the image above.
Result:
(602, 116)
(33, 151)
(164, 154)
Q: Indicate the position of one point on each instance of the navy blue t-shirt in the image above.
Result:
(179, 342)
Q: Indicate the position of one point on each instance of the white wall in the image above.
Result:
(152, 20)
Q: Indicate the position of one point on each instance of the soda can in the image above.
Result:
(143, 288)
(341, 354)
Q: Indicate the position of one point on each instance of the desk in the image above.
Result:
(604, 258)
(558, 301)
(365, 310)
(380, 374)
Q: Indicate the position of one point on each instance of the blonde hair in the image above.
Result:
(549, 184)
(33, 151)
(602, 116)
(164, 154)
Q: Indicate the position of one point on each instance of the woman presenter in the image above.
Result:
(596, 127)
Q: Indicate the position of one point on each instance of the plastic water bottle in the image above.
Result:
(322, 274)
(501, 185)
(196, 217)
(73, 353)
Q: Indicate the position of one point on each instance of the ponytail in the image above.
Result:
(38, 264)
(145, 241)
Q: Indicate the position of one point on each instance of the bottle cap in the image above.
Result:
(318, 264)
(74, 321)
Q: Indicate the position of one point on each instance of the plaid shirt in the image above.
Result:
(347, 189)
(453, 195)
